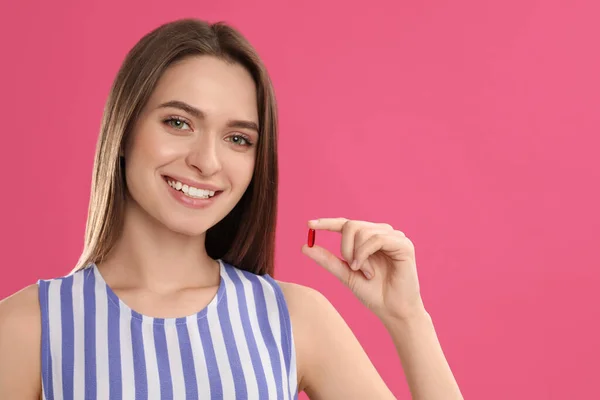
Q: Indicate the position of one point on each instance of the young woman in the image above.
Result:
(173, 297)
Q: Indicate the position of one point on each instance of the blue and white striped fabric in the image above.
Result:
(94, 347)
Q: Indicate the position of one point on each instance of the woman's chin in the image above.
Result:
(187, 229)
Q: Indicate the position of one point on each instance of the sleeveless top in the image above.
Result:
(240, 346)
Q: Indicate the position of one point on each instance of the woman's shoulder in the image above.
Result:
(20, 318)
(300, 296)
(21, 314)
(304, 304)
(297, 297)
(20, 335)
(20, 309)
(317, 328)
(307, 306)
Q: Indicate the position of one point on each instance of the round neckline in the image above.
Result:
(116, 301)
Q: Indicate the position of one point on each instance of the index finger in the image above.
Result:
(328, 224)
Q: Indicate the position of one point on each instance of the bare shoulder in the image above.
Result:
(329, 357)
(308, 306)
(312, 314)
(305, 304)
(297, 296)
(20, 337)
(20, 313)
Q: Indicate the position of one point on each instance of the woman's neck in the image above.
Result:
(150, 255)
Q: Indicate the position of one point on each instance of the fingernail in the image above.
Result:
(368, 274)
(353, 266)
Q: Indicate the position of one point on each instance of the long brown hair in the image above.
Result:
(246, 236)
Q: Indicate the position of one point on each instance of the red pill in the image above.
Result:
(311, 237)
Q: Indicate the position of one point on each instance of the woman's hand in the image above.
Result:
(378, 265)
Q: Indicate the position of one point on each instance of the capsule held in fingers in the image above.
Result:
(311, 237)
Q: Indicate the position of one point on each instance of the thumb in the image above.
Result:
(329, 261)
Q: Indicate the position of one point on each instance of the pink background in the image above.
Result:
(470, 125)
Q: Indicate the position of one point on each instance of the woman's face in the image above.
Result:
(192, 151)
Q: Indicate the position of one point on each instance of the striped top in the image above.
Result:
(240, 346)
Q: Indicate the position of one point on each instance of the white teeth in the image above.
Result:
(190, 190)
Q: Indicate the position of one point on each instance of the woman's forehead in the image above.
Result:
(209, 84)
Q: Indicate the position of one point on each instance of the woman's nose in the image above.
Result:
(204, 155)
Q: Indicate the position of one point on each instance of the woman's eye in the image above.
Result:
(240, 140)
(177, 124)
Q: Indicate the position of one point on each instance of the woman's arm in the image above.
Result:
(427, 371)
(378, 265)
(20, 338)
(331, 363)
